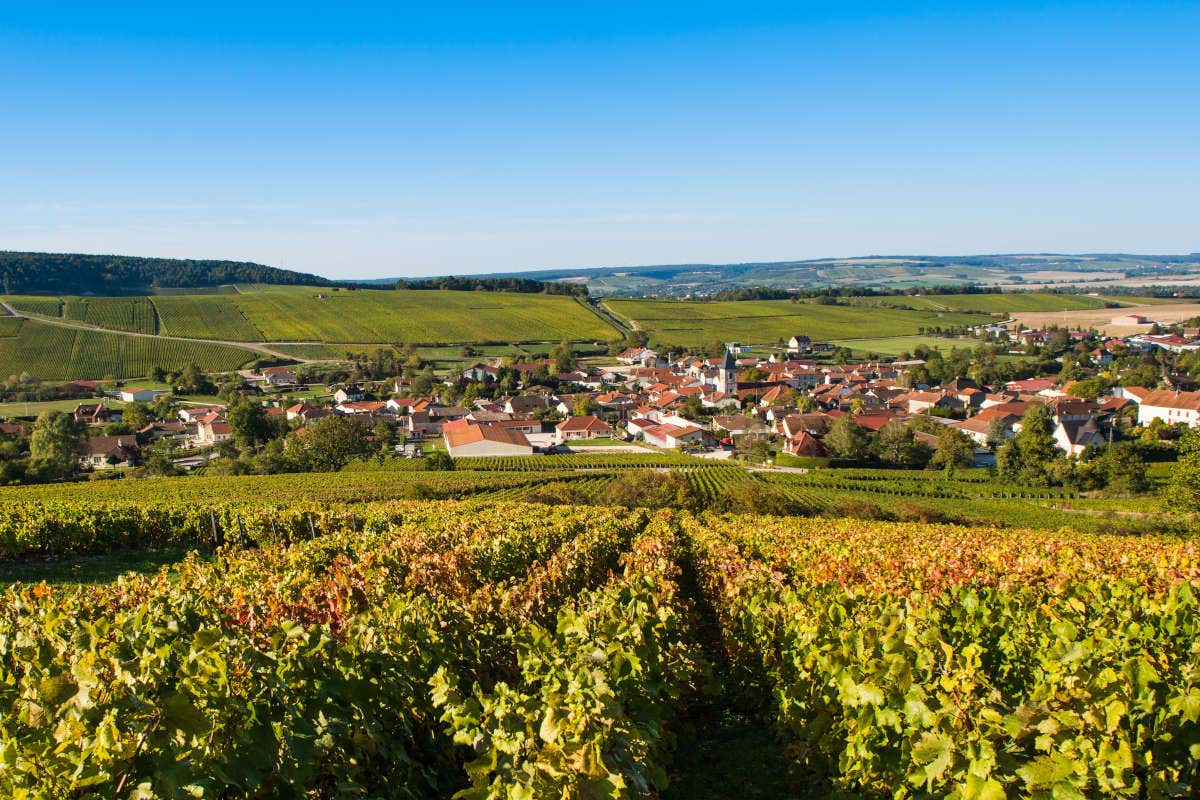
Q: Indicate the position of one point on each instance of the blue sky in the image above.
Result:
(364, 140)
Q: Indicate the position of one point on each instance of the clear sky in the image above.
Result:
(364, 140)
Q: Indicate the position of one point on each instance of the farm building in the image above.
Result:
(485, 440)
(1130, 319)
(138, 395)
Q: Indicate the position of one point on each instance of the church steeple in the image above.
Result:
(727, 373)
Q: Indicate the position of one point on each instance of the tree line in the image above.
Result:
(519, 285)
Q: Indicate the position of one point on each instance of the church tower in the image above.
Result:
(727, 374)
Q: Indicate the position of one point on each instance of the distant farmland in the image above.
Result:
(688, 324)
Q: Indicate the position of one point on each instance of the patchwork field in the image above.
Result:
(683, 323)
(1101, 319)
(54, 352)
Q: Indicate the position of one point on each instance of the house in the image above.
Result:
(638, 425)
(585, 427)
(919, 402)
(305, 413)
(1073, 436)
(467, 438)
(1030, 385)
(803, 445)
(13, 429)
(350, 393)
(279, 376)
(1170, 407)
(480, 372)
(815, 423)
(735, 425)
(672, 436)
(798, 345)
(92, 414)
(109, 452)
(134, 395)
(166, 430)
(526, 404)
(639, 356)
(212, 429)
(979, 427)
(525, 426)
(362, 407)
(193, 413)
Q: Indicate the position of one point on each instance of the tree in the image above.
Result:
(385, 436)
(137, 415)
(848, 440)
(423, 382)
(55, 444)
(955, 449)
(1144, 375)
(249, 424)
(193, 380)
(895, 443)
(1120, 469)
(584, 405)
(1183, 490)
(332, 442)
(693, 408)
(1032, 458)
(437, 461)
(563, 357)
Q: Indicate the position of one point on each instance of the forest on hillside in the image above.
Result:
(73, 273)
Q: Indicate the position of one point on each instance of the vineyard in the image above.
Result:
(204, 317)
(57, 352)
(504, 650)
(316, 321)
(9, 326)
(134, 314)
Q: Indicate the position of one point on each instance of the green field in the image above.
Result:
(10, 327)
(204, 317)
(55, 352)
(683, 323)
(990, 303)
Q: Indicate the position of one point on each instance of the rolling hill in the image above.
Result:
(875, 272)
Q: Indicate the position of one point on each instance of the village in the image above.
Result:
(777, 409)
